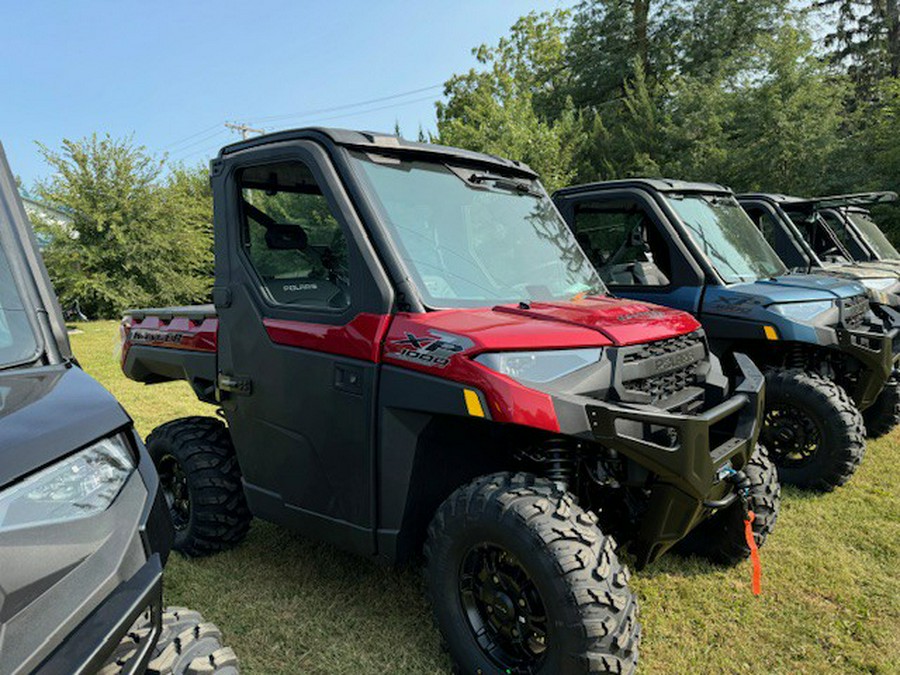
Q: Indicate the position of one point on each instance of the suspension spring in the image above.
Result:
(795, 357)
(560, 459)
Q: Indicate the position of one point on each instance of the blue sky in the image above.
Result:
(172, 72)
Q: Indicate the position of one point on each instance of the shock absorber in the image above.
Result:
(560, 459)
(795, 357)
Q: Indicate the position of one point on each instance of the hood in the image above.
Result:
(48, 412)
(801, 287)
(864, 270)
(743, 299)
(886, 267)
(591, 322)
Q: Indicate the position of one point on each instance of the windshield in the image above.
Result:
(730, 240)
(472, 238)
(873, 235)
(17, 340)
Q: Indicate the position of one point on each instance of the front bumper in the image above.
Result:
(879, 355)
(135, 605)
(689, 471)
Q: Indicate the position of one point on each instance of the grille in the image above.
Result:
(855, 309)
(662, 387)
(658, 370)
(662, 347)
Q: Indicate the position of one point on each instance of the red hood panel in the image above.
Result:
(621, 322)
(442, 343)
(592, 322)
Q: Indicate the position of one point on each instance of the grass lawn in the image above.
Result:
(830, 603)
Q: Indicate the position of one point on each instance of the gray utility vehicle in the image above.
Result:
(84, 528)
(817, 236)
(412, 353)
(826, 354)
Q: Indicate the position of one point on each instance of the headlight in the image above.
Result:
(540, 366)
(77, 487)
(803, 311)
(878, 284)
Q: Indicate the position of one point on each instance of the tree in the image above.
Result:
(136, 238)
(786, 119)
(516, 105)
(866, 39)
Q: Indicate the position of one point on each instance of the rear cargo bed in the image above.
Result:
(172, 343)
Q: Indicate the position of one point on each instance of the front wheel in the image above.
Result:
(884, 414)
(521, 579)
(721, 537)
(813, 431)
(190, 646)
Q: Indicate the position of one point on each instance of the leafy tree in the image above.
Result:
(866, 39)
(514, 107)
(785, 120)
(136, 238)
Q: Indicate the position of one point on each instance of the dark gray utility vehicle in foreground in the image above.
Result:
(412, 353)
(84, 528)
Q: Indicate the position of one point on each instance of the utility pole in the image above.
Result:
(244, 129)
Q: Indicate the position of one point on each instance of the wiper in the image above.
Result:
(481, 180)
(503, 183)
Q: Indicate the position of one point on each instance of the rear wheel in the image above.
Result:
(721, 537)
(814, 433)
(884, 414)
(521, 579)
(201, 480)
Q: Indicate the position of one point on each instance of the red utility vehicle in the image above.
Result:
(411, 350)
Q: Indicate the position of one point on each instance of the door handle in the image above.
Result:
(348, 379)
(234, 384)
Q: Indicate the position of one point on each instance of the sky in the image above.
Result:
(171, 73)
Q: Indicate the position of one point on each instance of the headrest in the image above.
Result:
(286, 237)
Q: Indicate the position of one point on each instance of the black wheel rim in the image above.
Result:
(174, 484)
(504, 609)
(791, 434)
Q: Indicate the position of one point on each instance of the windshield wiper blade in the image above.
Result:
(503, 183)
(491, 180)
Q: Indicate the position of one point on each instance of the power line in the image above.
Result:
(370, 110)
(308, 113)
(187, 138)
(241, 127)
(200, 141)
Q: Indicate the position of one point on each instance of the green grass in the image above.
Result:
(830, 603)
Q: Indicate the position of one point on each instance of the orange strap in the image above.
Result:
(754, 552)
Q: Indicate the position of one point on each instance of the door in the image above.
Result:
(302, 307)
(31, 321)
(637, 255)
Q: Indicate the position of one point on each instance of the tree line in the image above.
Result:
(766, 95)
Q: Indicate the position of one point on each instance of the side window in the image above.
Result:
(624, 243)
(292, 239)
(766, 224)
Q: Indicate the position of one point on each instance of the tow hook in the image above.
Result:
(741, 482)
(741, 490)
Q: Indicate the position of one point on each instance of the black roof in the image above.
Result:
(657, 184)
(374, 141)
(857, 199)
(775, 197)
